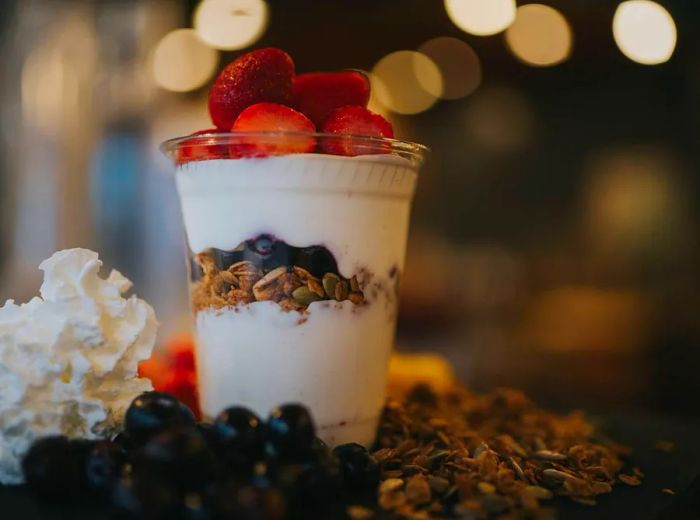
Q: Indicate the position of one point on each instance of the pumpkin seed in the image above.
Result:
(304, 295)
(329, 282)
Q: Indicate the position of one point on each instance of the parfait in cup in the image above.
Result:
(296, 244)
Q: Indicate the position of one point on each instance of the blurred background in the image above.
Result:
(554, 242)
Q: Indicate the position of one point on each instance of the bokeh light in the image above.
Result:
(231, 24)
(406, 82)
(540, 35)
(458, 63)
(644, 31)
(182, 62)
(55, 75)
(481, 17)
(500, 119)
(633, 202)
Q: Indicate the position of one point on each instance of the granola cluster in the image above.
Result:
(462, 455)
(293, 288)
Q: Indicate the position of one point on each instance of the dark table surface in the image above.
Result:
(678, 470)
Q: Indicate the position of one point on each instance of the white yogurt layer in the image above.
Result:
(335, 363)
(357, 207)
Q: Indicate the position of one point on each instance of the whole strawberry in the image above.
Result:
(261, 75)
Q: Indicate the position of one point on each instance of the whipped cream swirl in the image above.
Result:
(69, 359)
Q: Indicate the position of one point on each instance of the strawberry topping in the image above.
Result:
(261, 75)
(272, 117)
(319, 93)
(356, 120)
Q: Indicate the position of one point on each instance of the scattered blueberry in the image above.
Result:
(154, 412)
(290, 431)
(181, 457)
(146, 498)
(358, 468)
(311, 486)
(208, 432)
(123, 441)
(240, 429)
(54, 468)
(103, 465)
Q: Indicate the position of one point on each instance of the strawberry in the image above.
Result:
(357, 120)
(261, 75)
(271, 117)
(200, 148)
(319, 93)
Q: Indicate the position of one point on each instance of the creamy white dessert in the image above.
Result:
(332, 357)
(69, 359)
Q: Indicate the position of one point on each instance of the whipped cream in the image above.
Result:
(69, 359)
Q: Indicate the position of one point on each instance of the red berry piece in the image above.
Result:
(261, 75)
(271, 117)
(202, 146)
(319, 93)
(356, 120)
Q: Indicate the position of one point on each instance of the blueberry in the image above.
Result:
(319, 447)
(240, 429)
(180, 457)
(208, 432)
(262, 245)
(225, 259)
(290, 431)
(150, 498)
(317, 260)
(123, 441)
(153, 412)
(241, 437)
(358, 468)
(268, 253)
(54, 468)
(310, 486)
(103, 465)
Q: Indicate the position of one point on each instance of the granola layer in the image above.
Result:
(292, 287)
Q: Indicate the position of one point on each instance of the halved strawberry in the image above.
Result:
(355, 120)
(272, 117)
(319, 93)
(261, 75)
(202, 146)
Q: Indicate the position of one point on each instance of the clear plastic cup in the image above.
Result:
(295, 261)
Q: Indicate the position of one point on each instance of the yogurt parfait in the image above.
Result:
(296, 210)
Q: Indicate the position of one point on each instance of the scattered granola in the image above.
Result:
(464, 455)
(292, 287)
